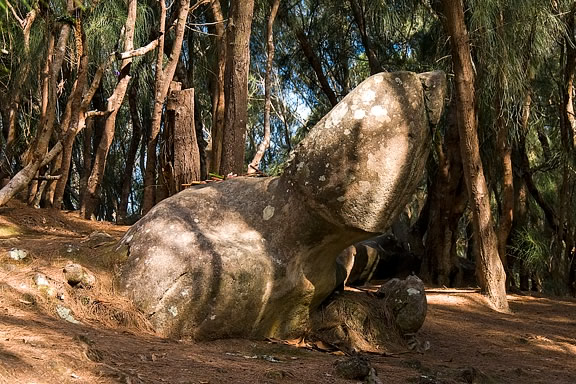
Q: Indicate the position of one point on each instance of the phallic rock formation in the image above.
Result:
(253, 257)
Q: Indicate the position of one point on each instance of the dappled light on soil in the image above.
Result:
(111, 343)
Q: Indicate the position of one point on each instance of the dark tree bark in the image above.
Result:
(360, 20)
(218, 101)
(236, 86)
(182, 158)
(131, 155)
(490, 271)
(447, 202)
(310, 54)
(164, 76)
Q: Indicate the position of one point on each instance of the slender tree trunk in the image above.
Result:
(507, 192)
(560, 263)
(131, 155)
(164, 77)
(9, 124)
(360, 20)
(218, 102)
(236, 86)
(253, 167)
(310, 55)
(490, 271)
(316, 65)
(36, 154)
(91, 195)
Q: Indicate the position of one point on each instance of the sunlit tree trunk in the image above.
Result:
(490, 271)
(91, 195)
(265, 143)
(236, 86)
(37, 153)
(164, 76)
(218, 102)
(12, 105)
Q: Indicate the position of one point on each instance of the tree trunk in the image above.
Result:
(236, 86)
(360, 20)
(131, 155)
(310, 55)
(37, 151)
(91, 195)
(447, 202)
(254, 164)
(490, 271)
(9, 123)
(218, 102)
(182, 165)
(163, 79)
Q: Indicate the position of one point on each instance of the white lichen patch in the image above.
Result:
(213, 317)
(337, 114)
(184, 293)
(378, 111)
(300, 165)
(268, 212)
(322, 178)
(341, 199)
(378, 79)
(359, 114)
(347, 132)
(398, 81)
(327, 165)
(196, 220)
(173, 311)
(413, 291)
(368, 96)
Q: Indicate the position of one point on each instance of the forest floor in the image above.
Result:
(58, 334)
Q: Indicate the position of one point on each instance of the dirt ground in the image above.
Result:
(58, 334)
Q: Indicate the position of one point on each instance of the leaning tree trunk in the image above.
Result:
(15, 96)
(236, 86)
(360, 19)
(254, 164)
(490, 271)
(91, 195)
(37, 153)
(311, 56)
(164, 76)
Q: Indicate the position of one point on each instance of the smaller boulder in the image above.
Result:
(18, 254)
(43, 285)
(78, 276)
(407, 301)
(97, 239)
(352, 368)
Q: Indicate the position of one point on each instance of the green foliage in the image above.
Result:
(531, 248)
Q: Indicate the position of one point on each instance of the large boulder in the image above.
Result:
(253, 257)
